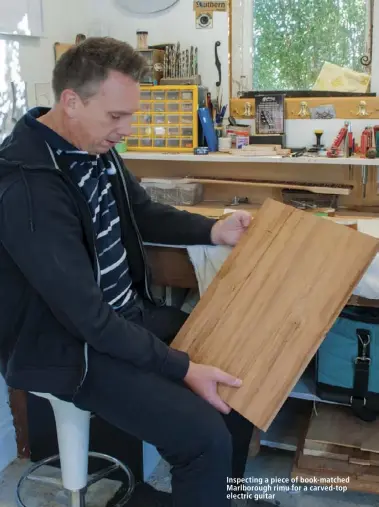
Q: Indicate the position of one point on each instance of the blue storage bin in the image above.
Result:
(347, 362)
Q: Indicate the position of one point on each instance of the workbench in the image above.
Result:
(224, 176)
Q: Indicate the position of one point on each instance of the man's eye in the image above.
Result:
(116, 116)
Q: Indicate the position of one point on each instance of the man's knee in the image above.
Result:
(205, 433)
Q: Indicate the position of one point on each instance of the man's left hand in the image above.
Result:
(230, 230)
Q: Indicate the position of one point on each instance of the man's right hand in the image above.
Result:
(203, 380)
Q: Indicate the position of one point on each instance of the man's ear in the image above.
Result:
(70, 101)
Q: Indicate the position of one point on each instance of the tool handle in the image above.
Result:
(218, 63)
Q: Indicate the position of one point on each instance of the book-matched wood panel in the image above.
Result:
(268, 309)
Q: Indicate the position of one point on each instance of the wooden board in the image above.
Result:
(337, 425)
(340, 452)
(268, 309)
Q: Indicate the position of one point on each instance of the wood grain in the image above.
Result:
(268, 309)
(338, 425)
(339, 452)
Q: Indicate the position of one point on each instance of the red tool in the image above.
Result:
(335, 150)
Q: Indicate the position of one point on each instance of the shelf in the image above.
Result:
(286, 429)
(225, 158)
(305, 389)
(214, 209)
(317, 188)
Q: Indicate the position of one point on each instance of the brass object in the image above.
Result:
(304, 110)
(362, 109)
(248, 110)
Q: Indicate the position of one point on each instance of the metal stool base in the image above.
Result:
(77, 498)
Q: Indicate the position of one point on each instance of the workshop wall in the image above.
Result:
(32, 58)
(176, 24)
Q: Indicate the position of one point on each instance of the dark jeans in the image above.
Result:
(202, 446)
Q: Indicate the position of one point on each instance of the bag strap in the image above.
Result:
(362, 377)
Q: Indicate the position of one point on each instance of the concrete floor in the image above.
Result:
(268, 464)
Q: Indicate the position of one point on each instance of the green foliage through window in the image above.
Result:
(293, 39)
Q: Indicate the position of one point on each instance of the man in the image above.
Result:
(77, 316)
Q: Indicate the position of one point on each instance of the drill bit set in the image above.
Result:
(180, 66)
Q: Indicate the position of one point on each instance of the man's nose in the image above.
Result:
(125, 128)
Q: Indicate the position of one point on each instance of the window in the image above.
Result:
(283, 44)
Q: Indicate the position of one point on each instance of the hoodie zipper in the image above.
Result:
(140, 242)
(98, 271)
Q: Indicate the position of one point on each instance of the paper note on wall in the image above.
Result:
(340, 79)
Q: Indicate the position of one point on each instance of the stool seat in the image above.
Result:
(72, 425)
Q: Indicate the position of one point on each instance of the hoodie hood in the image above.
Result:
(24, 144)
(17, 151)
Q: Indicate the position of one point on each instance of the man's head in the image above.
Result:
(96, 89)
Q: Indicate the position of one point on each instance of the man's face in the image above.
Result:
(102, 121)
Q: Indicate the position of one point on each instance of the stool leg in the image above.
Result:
(77, 498)
(73, 441)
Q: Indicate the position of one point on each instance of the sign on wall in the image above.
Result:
(209, 6)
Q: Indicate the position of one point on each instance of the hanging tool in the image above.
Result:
(218, 63)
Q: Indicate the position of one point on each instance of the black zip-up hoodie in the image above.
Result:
(51, 307)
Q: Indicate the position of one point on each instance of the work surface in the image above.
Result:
(268, 309)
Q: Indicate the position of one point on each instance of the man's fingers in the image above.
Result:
(220, 405)
(229, 380)
(246, 220)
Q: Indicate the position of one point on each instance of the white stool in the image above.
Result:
(73, 441)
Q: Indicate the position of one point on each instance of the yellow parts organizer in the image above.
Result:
(167, 120)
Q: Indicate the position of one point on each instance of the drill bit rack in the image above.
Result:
(180, 67)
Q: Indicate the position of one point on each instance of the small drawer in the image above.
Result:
(172, 107)
(146, 143)
(145, 107)
(132, 142)
(186, 131)
(173, 95)
(159, 131)
(159, 107)
(145, 131)
(173, 119)
(187, 119)
(173, 143)
(173, 131)
(186, 143)
(158, 95)
(145, 119)
(134, 131)
(145, 95)
(159, 119)
(187, 95)
(159, 143)
(135, 119)
(186, 107)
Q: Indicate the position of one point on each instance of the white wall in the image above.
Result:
(105, 17)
